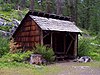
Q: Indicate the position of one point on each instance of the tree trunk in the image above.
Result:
(87, 14)
(8, 1)
(58, 7)
(48, 9)
(23, 3)
(31, 5)
(73, 10)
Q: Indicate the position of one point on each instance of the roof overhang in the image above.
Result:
(55, 24)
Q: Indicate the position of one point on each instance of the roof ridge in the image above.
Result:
(48, 15)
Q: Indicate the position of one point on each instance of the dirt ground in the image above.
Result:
(76, 68)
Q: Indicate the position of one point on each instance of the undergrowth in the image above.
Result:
(4, 45)
(85, 48)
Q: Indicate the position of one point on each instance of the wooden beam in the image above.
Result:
(41, 37)
(72, 36)
(64, 43)
(51, 39)
(69, 46)
(75, 45)
(46, 35)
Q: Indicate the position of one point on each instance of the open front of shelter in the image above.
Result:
(50, 30)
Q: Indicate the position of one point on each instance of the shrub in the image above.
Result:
(18, 57)
(4, 45)
(86, 49)
(98, 38)
(46, 52)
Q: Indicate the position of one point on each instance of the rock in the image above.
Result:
(15, 22)
(84, 59)
(9, 24)
(6, 23)
(37, 59)
(4, 33)
(13, 29)
(1, 21)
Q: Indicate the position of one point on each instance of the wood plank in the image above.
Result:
(33, 23)
(33, 28)
(27, 29)
(37, 38)
(34, 33)
(27, 23)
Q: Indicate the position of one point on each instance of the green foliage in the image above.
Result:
(47, 53)
(4, 46)
(85, 48)
(88, 15)
(5, 28)
(98, 38)
(16, 57)
(6, 7)
(14, 65)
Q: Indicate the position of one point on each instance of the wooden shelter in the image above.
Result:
(51, 30)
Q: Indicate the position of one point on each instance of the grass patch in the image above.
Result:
(26, 69)
(15, 68)
(95, 64)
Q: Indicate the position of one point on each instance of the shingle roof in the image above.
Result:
(55, 24)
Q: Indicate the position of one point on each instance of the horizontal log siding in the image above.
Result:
(28, 35)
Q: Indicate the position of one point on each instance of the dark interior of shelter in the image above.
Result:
(61, 42)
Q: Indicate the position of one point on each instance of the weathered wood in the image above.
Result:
(28, 23)
(71, 36)
(33, 23)
(69, 46)
(41, 37)
(30, 33)
(64, 43)
(33, 28)
(27, 28)
(37, 38)
(75, 45)
(46, 35)
(24, 33)
(51, 39)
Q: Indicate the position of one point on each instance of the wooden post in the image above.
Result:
(64, 43)
(51, 39)
(41, 37)
(75, 46)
